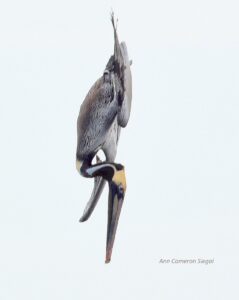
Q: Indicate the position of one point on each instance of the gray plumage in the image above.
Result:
(104, 111)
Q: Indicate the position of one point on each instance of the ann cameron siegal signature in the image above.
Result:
(177, 261)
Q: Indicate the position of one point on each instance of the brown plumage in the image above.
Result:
(104, 111)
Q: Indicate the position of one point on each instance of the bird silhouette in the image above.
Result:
(105, 109)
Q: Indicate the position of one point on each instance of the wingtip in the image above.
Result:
(112, 15)
(83, 219)
(112, 18)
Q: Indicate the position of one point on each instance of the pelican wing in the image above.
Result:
(97, 113)
(124, 112)
(123, 71)
(99, 184)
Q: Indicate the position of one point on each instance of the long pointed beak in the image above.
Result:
(115, 201)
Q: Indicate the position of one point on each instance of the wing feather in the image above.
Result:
(123, 71)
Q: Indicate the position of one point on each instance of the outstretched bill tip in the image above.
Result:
(107, 261)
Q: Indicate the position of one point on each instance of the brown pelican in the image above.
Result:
(104, 111)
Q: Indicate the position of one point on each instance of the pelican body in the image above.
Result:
(103, 112)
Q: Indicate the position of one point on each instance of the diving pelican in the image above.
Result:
(105, 109)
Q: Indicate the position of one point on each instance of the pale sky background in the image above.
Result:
(180, 150)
